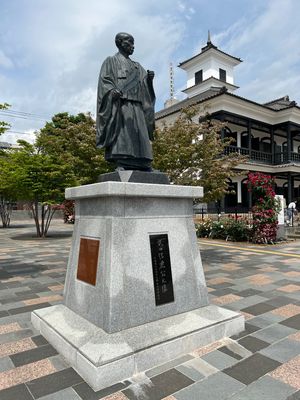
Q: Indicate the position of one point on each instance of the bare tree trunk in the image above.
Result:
(5, 212)
(43, 221)
(35, 212)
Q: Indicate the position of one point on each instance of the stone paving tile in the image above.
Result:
(197, 369)
(219, 359)
(230, 353)
(56, 288)
(294, 396)
(292, 274)
(265, 388)
(207, 349)
(43, 300)
(29, 356)
(65, 394)
(283, 350)
(252, 343)
(279, 301)
(85, 392)
(289, 288)
(292, 322)
(260, 279)
(39, 340)
(52, 382)
(166, 366)
(19, 392)
(16, 347)
(229, 298)
(252, 368)
(159, 386)
(288, 310)
(215, 387)
(258, 309)
(5, 365)
(289, 372)
(116, 396)
(25, 373)
(295, 336)
(274, 333)
(7, 328)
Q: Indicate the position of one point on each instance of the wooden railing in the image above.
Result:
(264, 157)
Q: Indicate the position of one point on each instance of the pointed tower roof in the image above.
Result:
(210, 46)
(209, 69)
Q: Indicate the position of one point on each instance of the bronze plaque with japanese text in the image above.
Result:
(88, 260)
(161, 267)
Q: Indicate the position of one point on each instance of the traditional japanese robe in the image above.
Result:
(125, 125)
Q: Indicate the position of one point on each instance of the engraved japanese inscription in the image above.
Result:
(161, 267)
(88, 260)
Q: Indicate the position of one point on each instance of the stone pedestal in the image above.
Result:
(135, 293)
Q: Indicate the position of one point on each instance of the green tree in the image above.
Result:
(5, 203)
(193, 153)
(27, 174)
(70, 140)
(3, 125)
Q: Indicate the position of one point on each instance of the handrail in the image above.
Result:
(264, 157)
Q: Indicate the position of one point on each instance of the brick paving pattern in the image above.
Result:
(262, 363)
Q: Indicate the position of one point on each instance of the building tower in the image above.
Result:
(172, 100)
(210, 69)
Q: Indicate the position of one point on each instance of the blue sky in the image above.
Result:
(51, 51)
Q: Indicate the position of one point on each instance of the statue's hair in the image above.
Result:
(120, 36)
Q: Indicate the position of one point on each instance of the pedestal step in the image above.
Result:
(103, 359)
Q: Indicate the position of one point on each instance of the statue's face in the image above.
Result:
(127, 44)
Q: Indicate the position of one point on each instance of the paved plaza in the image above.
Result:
(263, 362)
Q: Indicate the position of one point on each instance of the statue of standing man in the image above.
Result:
(125, 109)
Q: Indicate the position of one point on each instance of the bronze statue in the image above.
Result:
(125, 109)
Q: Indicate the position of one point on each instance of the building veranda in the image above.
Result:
(268, 133)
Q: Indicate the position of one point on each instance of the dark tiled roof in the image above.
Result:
(207, 79)
(4, 145)
(281, 103)
(208, 94)
(211, 93)
(206, 48)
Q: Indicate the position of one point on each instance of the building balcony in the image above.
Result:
(264, 157)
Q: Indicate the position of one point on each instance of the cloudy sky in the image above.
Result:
(51, 51)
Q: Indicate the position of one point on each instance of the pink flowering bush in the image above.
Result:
(265, 209)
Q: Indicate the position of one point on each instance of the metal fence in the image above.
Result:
(291, 215)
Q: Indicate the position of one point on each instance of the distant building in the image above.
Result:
(268, 133)
(5, 145)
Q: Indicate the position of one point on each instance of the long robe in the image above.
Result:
(125, 125)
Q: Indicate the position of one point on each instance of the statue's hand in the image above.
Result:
(150, 74)
(116, 94)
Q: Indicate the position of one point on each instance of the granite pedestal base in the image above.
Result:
(104, 359)
(135, 293)
(133, 281)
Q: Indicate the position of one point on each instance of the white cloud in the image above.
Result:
(269, 45)
(12, 137)
(59, 48)
(5, 61)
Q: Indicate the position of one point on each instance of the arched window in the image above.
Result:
(228, 133)
(231, 199)
(265, 145)
(244, 139)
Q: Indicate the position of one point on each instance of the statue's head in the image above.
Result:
(125, 42)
